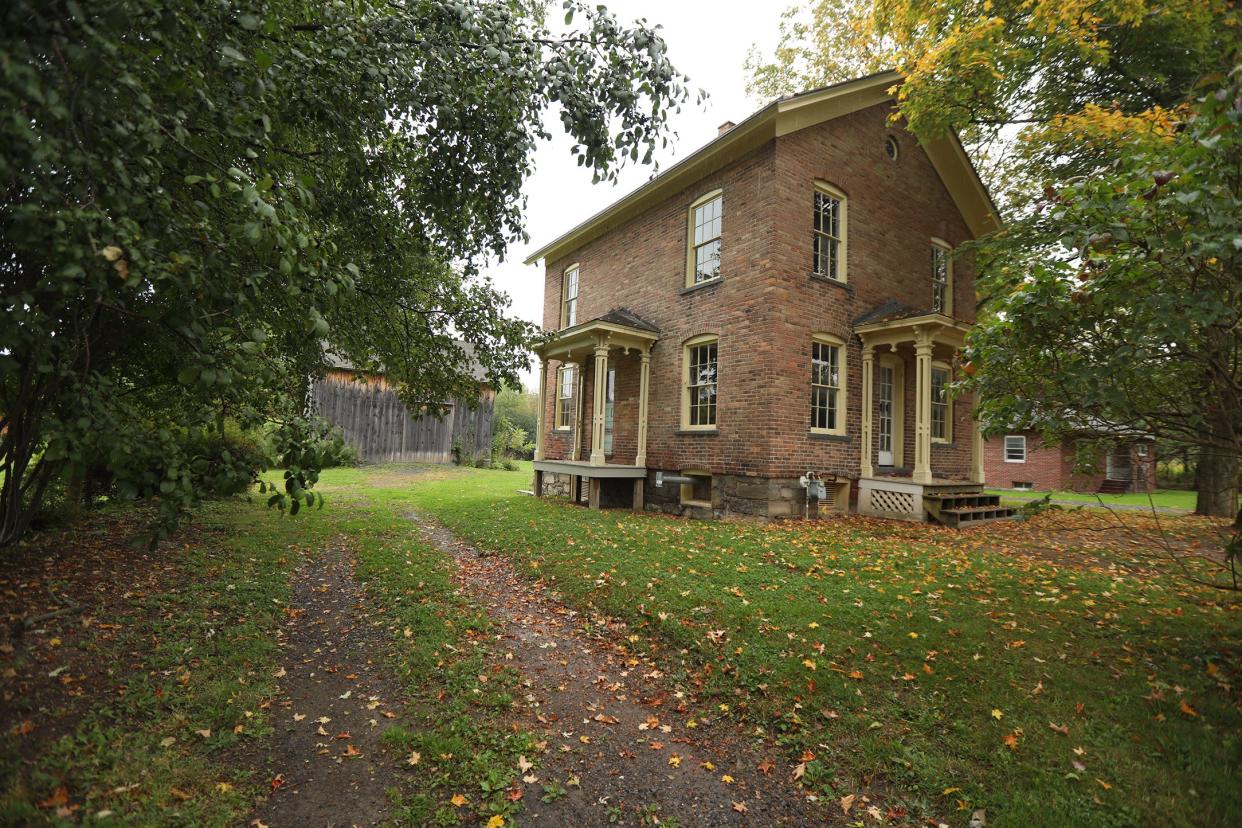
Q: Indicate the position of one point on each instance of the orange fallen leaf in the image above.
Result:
(59, 798)
(458, 800)
(1188, 710)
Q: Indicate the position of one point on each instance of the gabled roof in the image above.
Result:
(781, 117)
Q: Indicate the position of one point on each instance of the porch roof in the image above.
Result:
(619, 328)
(892, 326)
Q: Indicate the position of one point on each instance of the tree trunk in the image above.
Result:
(1216, 481)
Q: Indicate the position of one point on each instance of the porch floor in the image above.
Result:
(583, 468)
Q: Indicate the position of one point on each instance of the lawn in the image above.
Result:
(153, 706)
(936, 671)
(1161, 498)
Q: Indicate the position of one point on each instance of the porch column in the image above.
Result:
(868, 372)
(976, 449)
(541, 418)
(922, 409)
(644, 381)
(576, 449)
(597, 413)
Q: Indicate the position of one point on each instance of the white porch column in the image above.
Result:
(541, 419)
(576, 449)
(644, 382)
(597, 412)
(868, 374)
(976, 449)
(922, 409)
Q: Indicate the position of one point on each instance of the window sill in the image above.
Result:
(841, 283)
(701, 285)
(563, 429)
(698, 432)
(1016, 462)
(828, 435)
(945, 443)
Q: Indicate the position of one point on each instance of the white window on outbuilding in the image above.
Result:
(1015, 448)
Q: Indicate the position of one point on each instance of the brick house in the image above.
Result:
(1020, 459)
(784, 300)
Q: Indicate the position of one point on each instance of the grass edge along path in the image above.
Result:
(921, 666)
(158, 747)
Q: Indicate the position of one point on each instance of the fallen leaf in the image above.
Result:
(674, 761)
(997, 714)
(765, 767)
(497, 821)
(224, 787)
(205, 732)
(1062, 729)
(728, 780)
(1104, 784)
(740, 807)
(414, 759)
(847, 802)
(458, 800)
(59, 797)
(1188, 710)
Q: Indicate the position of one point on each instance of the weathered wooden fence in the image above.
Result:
(376, 423)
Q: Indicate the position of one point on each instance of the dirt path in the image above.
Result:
(326, 762)
(611, 723)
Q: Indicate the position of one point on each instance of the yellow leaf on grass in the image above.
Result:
(458, 800)
(674, 761)
(497, 821)
(1187, 709)
(997, 714)
(728, 780)
(847, 802)
(810, 665)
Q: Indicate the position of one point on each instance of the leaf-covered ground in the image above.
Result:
(1062, 670)
(1056, 671)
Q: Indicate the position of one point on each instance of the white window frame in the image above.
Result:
(693, 243)
(688, 385)
(942, 247)
(946, 405)
(1005, 447)
(565, 379)
(569, 304)
(840, 240)
(839, 391)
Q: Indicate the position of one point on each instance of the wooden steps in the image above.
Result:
(1110, 486)
(963, 505)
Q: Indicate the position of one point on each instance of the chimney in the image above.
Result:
(725, 127)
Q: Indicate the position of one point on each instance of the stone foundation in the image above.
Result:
(775, 498)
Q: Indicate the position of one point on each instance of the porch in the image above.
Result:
(601, 348)
(893, 340)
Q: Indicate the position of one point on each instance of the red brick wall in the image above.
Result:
(767, 306)
(1046, 467)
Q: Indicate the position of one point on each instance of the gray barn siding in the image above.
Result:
(375, 422)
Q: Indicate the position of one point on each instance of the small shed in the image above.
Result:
(373, 419)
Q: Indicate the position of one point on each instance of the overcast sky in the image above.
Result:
(707, 41)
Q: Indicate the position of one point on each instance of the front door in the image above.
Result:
(610, 404)
(884, 412)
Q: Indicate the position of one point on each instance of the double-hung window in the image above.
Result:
(569, 297)
(703, 257)
(827, 385)
(1015, 448)
(699, 406)
(828, 211)
(565, 397)
(942, 278)
(941, 421)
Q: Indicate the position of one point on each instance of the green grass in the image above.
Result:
(1161, 498)
(202, 656)
(919, 665)
(205, 657)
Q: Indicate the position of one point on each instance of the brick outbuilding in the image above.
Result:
(1021, 459)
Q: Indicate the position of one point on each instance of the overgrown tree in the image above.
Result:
(1120, 298)
(197, 197)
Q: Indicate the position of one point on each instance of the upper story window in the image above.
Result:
(827, 385)
(698, 410)
(828, 232)
(565, 397)
(942, 277)
(703, 257)
(569, 297)
(941, 421)
(1015, 448)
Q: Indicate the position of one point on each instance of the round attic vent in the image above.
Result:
(891, 148)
